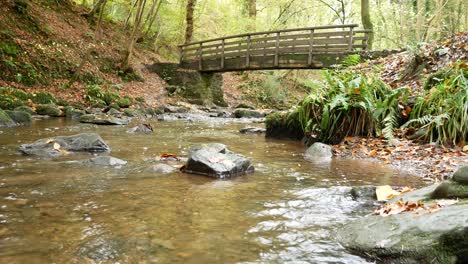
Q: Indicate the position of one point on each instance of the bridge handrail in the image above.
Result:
(270, 32)
(274, 47)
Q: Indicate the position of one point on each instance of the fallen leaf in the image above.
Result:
(57, 146)
(385, 192)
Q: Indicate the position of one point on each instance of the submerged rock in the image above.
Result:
(252, 130)
(103, 120)
(248, 113)
(105, 161)
(318, 151)
(143, 128)
(162, 168)
(5, 120)
(57, 146)
(215, 160)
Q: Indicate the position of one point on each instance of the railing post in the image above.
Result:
(351, 35)
(276, 62)
(182, 54)
(200, 54)
(247, 55)
(311, 47)
(222, 54)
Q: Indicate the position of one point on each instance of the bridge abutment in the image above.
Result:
(198, 87)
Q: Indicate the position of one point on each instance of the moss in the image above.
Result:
(436, 78)
(130, 112)
(450, 190)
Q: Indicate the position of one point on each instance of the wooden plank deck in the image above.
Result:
(300, 48)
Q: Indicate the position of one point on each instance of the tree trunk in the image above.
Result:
(153, 18)
(189, 18)
(419, 20)
(252, 8)
(366, 21)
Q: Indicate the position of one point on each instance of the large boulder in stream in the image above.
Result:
(104, 120)
(318, 151)
(434, 231)
(215, 160)
(61, 145)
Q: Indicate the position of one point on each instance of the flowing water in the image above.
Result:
(52, 211)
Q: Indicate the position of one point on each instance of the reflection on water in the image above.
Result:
(53, 211)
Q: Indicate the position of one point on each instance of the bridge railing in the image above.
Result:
(272, 49)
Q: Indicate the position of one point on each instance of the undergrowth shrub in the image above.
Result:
(349, 104)
(441, 111)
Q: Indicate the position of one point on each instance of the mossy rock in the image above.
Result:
(242, 105)
(461, 175)
(248, 113)
(284, 125)
(25, 109)
(113, 111)
(5, 120)
(48, 109)
(114, 106)
(125, 102)
(131, 112)
(20, 117)
(72, 113)
(450, 190)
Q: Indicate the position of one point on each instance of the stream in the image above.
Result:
(287, 211)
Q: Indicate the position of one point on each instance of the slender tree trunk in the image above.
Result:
(419, 20)
(134, 35)
(97, 7)
(252, 8)
(189, 19)
(130, 12)
(366, 21)
(153, 18)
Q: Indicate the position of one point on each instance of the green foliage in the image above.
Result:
(351, 60)
(350, 104)
(140, 99)
(442, 111)
(43, 98)
(9, 49)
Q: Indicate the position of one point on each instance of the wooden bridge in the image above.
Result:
(300, 48)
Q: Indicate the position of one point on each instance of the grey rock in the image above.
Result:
(461, 175)
(143, 128)
(366, 192)
(215, 160)
(319, 151)
(103, 120)
(24, 109)
(105, 161)
(410, 237)
(252, 130)
(5, 120)
(422, 194)
(175, 109)
(162, 168)
(57, 146)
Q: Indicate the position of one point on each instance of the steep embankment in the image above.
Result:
(49, 46)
